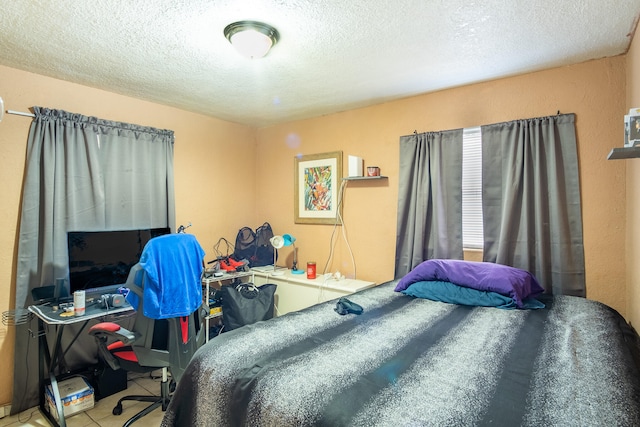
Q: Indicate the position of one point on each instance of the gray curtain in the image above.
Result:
(82, 174)
(531, 200)
(429, 199)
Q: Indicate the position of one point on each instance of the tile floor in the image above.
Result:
(100, 415)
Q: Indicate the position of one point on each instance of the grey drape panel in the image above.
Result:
(429, 199)
(531, 200)
(82, 174)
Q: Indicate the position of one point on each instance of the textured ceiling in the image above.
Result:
(333, 55)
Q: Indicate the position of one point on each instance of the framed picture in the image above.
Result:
(316, 185)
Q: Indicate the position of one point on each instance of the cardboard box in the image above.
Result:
(76, 395)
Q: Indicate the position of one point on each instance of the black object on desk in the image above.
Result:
(48, 361)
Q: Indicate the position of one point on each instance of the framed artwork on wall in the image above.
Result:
(316, 187)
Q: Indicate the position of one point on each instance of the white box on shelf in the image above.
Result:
(355, 165)
(632, 128)
(76, 395)
(632, 131)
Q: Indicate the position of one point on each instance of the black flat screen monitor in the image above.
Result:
(99, 261)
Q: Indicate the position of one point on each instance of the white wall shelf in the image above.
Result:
(624, 153)
(362, 178)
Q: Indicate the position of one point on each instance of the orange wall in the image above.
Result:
(593, 90)
(206, 171)
(228, 175)
(633, 199)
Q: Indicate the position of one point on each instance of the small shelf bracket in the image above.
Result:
(362, 178)
(624, 153)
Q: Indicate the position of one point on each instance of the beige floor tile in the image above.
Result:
(104, 407)
(101, 414)
(31, 418)
(34, 418)
(151, 384)
(129, 411)
(81, 420)
(154, 418)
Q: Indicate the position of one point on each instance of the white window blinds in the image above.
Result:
(472, 230)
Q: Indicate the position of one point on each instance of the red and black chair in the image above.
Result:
(170, 265)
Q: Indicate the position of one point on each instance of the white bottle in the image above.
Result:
(79, 303)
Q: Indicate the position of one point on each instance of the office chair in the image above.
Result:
(165, 288)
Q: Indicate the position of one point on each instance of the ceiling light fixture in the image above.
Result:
(250, 38)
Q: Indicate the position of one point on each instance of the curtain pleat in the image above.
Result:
(531, 200)
(429, 223)
(82, 174)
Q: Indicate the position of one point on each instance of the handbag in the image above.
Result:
(254, 246)
(244, 304)
(245, 246)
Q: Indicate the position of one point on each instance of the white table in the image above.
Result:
(296, 292)
(48, 361)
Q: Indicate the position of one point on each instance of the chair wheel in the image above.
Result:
(117, 410)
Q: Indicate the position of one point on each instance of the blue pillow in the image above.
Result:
(451, 293)
(483, 276)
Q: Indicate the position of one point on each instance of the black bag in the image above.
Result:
(245, 246)
(245, 304)
(255, 247)
(264, 248)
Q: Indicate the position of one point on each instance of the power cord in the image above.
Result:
(344, 230)
(24, 421)
(333, 242)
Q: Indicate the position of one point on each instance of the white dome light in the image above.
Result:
(250, 38)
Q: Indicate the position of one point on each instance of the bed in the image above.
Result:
(408, 361)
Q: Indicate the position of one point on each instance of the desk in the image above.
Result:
(295, 291)
(47, 361)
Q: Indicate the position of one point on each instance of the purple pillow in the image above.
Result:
(483, 276)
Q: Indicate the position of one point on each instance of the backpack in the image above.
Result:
(255, 247)
(245, 246)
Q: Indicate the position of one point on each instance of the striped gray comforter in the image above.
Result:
(414, 362)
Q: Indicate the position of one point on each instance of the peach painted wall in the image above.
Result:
(205, 168)
(594, 91)
(633, 198)
(218, 199)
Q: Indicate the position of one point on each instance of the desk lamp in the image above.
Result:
(290, 240)
(277, 242)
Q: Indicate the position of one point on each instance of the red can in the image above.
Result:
(311, 270)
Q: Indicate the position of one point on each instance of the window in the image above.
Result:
(472, 231)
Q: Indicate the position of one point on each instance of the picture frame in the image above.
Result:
(317, 180)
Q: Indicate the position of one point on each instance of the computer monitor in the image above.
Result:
(99, 261)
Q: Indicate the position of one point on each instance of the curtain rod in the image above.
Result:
(20, 113)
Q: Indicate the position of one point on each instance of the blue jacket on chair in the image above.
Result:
(173, 266)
